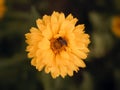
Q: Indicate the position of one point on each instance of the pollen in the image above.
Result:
(58, 44)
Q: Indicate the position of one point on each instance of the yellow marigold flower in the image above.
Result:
(116, 26)
(2, 8)
(57, 45)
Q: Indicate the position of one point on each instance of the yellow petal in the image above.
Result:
(69, 17)
(40, 24)
(79, 53)
(55, 72)
(44, 44)
(70, 72)
(61, 18)
(48, 56)
(62, 59)
(47, 69)
(65, 28)
(63, 70)
(46, 19)
(79, 28)
(77, 61)
(33, 29)
(47, 33)
(54, 18)
(33, 62)
(64, 54)
(40, 66)
(55, 28)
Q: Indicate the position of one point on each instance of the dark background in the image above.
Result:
(103, 62)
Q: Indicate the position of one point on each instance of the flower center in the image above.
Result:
(58, 44)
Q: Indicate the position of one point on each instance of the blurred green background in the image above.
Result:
(103, 62)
